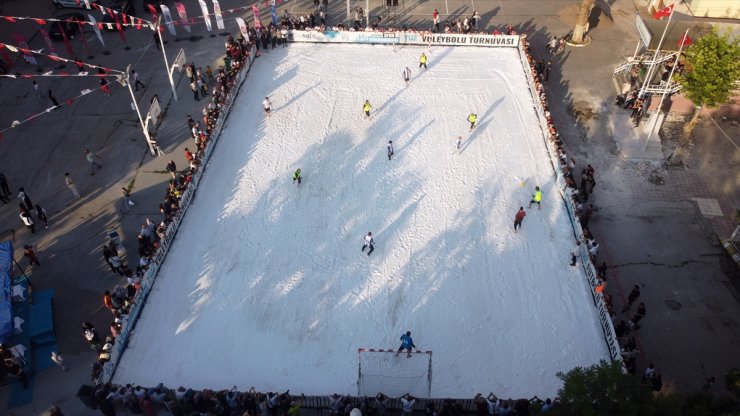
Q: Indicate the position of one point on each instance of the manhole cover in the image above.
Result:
(673, 305)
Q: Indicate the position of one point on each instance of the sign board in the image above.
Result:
(154, 112)
(179, 61)
(643, 31)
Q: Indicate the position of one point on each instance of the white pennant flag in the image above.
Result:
(168, 19)
(206, 18)
(97, 31)
(217, 12)
(242, 27)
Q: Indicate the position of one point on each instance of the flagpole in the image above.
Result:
(156, 26)
(655, 56)
(670, 77)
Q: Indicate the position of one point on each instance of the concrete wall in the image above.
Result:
(726, 9)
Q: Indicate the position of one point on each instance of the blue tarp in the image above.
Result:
(6, 303)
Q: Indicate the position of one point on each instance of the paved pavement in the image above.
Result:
(652, 231)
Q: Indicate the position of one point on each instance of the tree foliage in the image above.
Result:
(603, 389)
(712, 68)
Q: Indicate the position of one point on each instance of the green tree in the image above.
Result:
(712, 69)
(603, 389)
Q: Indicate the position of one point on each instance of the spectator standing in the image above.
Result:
(107, 254)
(127, 201)
(53, 98)
(28, 221)
(435, 20)
(25, 199)
(172, 168)
(194, 88)
(90, 157)
(71, 185)
(37, 91)
(209, 74)
(41, 215)
(137, 81)
(58, 360)
(4, 188)
(91, 335)
(30, 254)
(407, 403)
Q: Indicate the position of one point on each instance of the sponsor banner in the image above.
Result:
(450, 39)
(403, 38)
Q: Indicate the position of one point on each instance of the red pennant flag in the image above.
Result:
(54, 58)
(120, 30)
(40, 21)
(138, 23)
(684, 41)
(10, 19)
(665, 12)
(27, 76)
(66, 41)
(69, 102)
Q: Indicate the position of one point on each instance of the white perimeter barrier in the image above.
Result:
(394, 38)
(129, 323)
(606, 323)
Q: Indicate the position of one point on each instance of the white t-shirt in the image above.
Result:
(369, 240)
(266, 103)
(408, 405)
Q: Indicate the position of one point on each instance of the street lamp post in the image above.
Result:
(156, 26)
(149, 140)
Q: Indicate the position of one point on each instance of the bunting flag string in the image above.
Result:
(69, 101)
(30, 52)
(61, 74)
(126, 20)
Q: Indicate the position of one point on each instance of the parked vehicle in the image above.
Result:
(69, 26)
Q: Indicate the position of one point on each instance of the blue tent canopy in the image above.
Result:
(6, 303)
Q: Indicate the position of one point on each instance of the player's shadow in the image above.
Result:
(485, 121)
(297, 96)
(412, 139)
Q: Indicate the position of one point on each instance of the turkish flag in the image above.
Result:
(684, 41)
(663, 12)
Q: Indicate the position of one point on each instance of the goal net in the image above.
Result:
(381, 371)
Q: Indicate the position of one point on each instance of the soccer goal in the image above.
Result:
(379, 370)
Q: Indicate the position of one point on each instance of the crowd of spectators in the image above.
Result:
(121, 298)
(579, 188)
(232, 402)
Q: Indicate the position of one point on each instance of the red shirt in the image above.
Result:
(520, 216)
